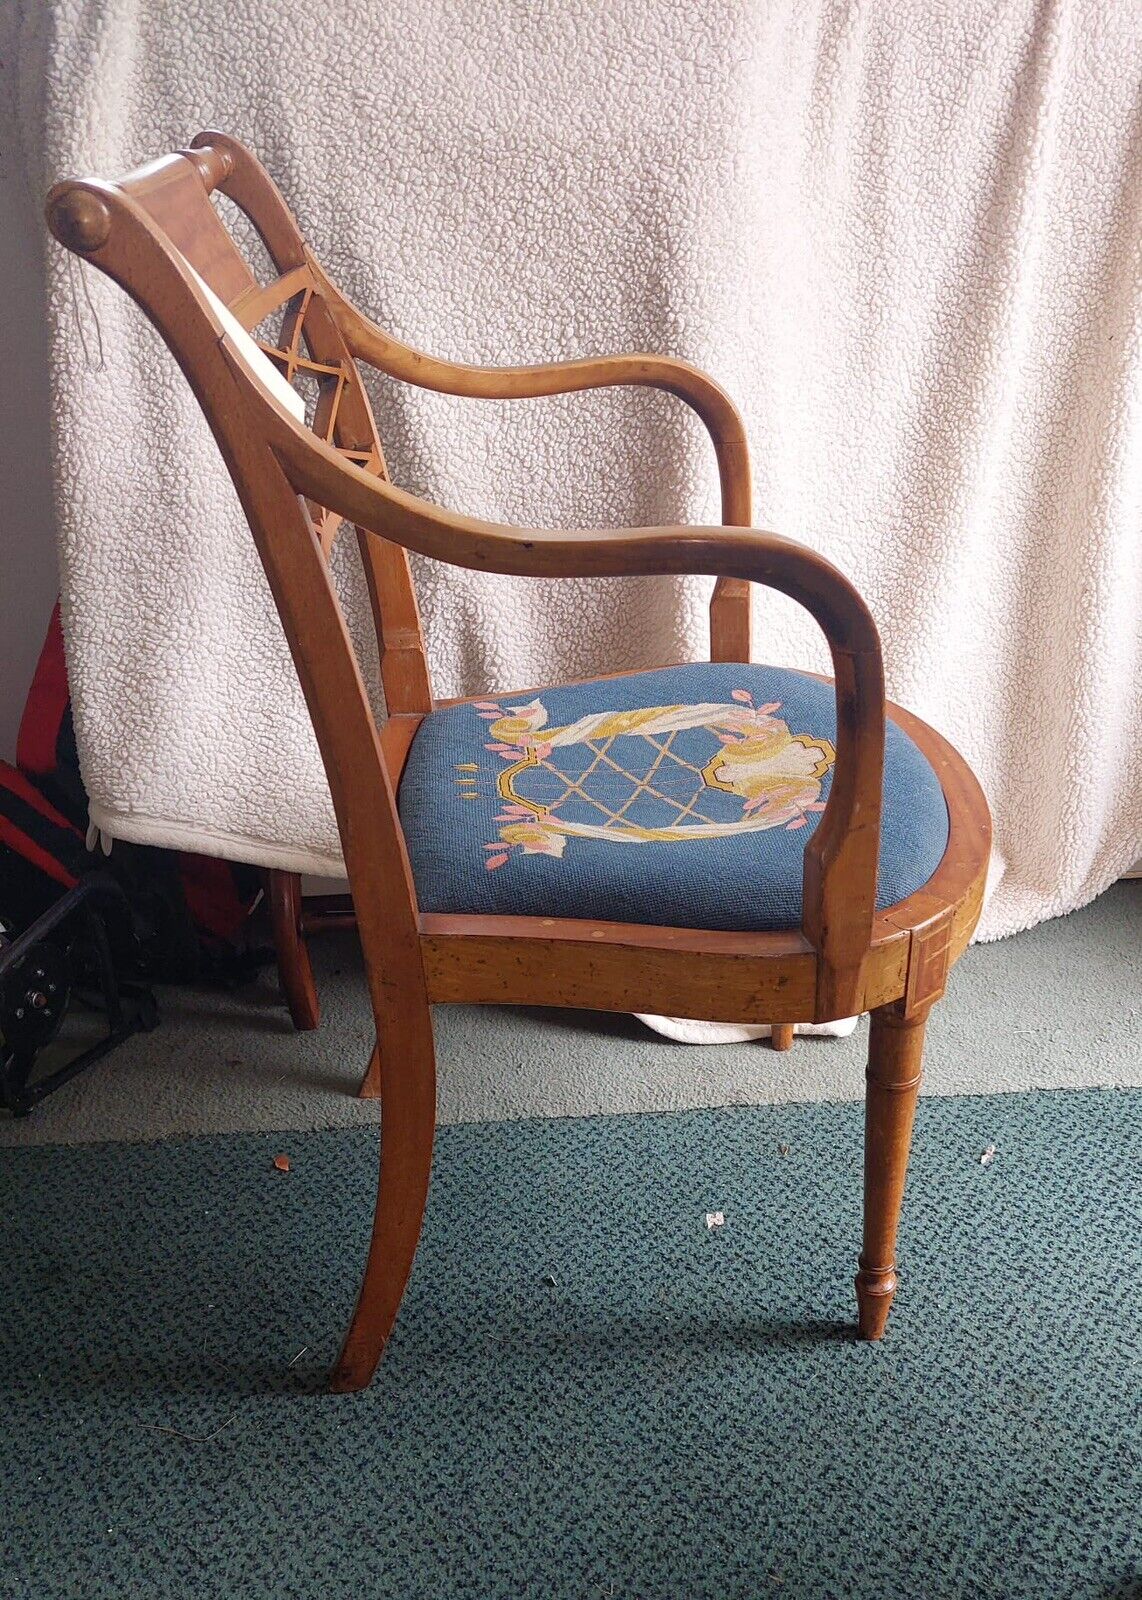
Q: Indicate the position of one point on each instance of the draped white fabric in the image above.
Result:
(904, 236)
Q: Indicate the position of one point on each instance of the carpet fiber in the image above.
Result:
(589, 1393)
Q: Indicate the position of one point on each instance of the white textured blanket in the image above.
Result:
(905, 236)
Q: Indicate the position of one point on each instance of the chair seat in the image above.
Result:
(682, 798)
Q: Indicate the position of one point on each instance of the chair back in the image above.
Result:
(290, 323)
(159, 233)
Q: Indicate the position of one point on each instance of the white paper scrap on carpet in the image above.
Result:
(687, 1031)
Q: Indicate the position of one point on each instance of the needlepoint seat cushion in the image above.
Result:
(681, 797)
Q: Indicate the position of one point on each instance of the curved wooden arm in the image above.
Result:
(730, 604)
(841, 858)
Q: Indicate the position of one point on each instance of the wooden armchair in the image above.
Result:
(703, 840)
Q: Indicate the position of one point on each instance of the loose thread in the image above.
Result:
(74, 265)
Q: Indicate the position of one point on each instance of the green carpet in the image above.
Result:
(589, 1393)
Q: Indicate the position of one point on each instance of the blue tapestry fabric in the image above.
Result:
(682, 797)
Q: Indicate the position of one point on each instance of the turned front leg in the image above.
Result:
(895, 1048)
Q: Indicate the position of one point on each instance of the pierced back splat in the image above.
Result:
(342, 415)
(309, 348)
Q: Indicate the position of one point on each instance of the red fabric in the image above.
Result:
(31, 796)
(211, 897)
(208, 885)
(46, 705)
(13, 835)
(30, 851)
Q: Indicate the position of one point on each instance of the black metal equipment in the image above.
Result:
(65, 954)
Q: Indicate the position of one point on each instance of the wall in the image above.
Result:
(27, 535)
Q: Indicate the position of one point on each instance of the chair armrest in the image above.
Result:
(730, 604)
(841, 858)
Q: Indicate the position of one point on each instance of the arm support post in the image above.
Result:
(730, 603)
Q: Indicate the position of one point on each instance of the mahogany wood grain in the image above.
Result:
(730, 604)
(298, 484)
(396, 741)
(605, 975)
(895, 1048)
(283, 892)
(371, 1083)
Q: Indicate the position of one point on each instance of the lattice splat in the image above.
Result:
(341, 415)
